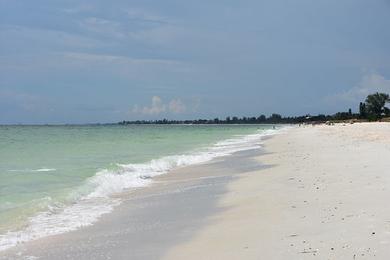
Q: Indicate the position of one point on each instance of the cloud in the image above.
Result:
(97, 58)
(157, 107)
(176, 106)
(139, 26)
(79, 9)
(45, 39)
(141, 15)
(103, 27)
(370, 83)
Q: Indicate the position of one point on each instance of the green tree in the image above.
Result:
(375, 105)
(362, 110)
(261, 119)
(275, 118)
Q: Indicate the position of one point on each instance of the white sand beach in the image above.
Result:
(314, 193)
(325, 195)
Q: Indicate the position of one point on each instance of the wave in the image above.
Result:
(35, 170)
(45, 170)
(94, 198)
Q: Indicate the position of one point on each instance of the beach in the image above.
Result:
(323, 194)
(310, 192)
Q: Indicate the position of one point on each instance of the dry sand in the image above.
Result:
(325, 196)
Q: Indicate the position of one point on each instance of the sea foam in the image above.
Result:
(35, 170)
(87, 208)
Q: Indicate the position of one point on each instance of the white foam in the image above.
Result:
(88, 208)
(59, 220)
(45, 170)
(35, 170)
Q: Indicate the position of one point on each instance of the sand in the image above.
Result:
(151, 220)
(325, 195)
(314, 193)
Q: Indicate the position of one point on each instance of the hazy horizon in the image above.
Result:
(93, 61)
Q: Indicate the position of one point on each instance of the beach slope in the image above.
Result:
(323, 195)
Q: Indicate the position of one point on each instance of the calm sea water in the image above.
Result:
(58, 178)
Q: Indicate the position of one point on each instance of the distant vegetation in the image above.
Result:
(372, 109)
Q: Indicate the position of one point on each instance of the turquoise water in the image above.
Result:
(42, 167)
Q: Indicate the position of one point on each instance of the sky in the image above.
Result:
(106, 61)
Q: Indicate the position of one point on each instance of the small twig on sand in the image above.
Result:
(308, 252)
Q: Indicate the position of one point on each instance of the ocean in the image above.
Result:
(55, 179)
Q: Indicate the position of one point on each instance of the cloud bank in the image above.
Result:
(157, 107)
(370, 83)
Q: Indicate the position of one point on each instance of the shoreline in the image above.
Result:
(310, 192)
(176, 183)
(88, 208)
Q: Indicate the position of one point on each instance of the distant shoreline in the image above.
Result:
(384, 120)
(118, 124)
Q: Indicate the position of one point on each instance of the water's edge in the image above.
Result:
(90, 207)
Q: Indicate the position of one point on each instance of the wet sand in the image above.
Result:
(150, 220)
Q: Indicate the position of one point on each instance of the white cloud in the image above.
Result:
(79, 9)
(176, 106)
(96, 58)
(157, 107)
(145, 16)
(370, 83)
(103, 27)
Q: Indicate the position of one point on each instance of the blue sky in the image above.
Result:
(106, 61)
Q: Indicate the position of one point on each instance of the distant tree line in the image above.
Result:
(372, 109)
